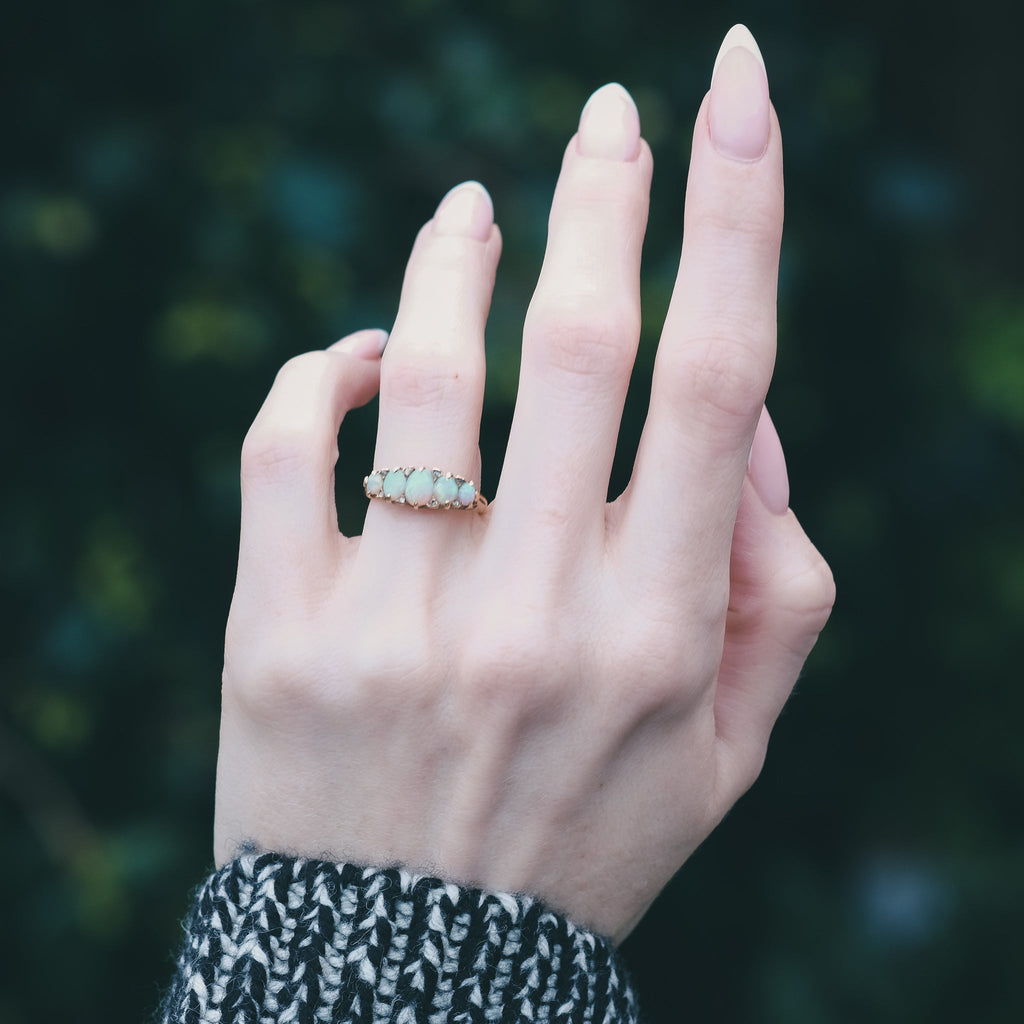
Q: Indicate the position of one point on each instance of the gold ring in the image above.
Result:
(424, 488)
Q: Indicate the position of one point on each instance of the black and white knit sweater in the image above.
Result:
(276, 940)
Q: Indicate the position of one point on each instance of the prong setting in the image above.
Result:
(422, 488)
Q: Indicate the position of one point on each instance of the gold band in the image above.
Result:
(424, 488)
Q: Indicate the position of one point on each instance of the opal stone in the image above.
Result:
(467, 495)
(446, 490)
(394, 484)
(374, 484)
(419, 488)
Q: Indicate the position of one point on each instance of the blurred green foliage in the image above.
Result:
(191, 193)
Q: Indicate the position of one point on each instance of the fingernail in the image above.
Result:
(367, 344)
(465, 210)
(609, 125)
(739, 107)
(766, 466)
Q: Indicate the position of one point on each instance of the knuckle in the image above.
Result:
(663, 653)
(272, 675)
(388, 668)
(811, 593)
(552, 516)
(584, 333)
(303, 372)
(290, 674)
(673, 673)
(269, 454)
(284, 438)
(720, 372)
(405, 680)
(420, 380)
(508, 669)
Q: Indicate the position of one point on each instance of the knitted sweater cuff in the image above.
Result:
(275, 939)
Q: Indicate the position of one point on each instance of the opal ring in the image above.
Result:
(424, 488)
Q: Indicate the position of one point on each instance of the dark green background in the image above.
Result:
(194, 191)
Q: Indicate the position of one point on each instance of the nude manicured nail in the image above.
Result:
(609, 125)
(739, 107)
(767, 466)
(367, 344)
(466, 210)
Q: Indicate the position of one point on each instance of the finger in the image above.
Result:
(781, 594)
(432, 375)
(717, 349)
(581, 332)
(289, 521)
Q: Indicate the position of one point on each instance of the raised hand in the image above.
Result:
(555, 695)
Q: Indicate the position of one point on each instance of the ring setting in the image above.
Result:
(419, 487)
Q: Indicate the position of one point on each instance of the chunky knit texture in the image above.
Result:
(275, 940)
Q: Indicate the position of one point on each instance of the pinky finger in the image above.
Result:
(289, 524)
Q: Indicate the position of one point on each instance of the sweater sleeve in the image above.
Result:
(273, 939)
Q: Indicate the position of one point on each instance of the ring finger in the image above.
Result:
(432, 373)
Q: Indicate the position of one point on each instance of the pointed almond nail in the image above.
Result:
(465, 210)
(609, 125)
(739, 107)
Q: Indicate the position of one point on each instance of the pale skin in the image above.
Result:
(559, 696)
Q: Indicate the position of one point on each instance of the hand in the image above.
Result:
(557, 696)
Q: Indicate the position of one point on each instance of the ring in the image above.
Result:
(424, 488)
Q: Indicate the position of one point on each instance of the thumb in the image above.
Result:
(780, 597)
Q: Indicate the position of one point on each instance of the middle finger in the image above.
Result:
(582, 329)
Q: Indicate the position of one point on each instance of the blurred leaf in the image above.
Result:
(116, 578)
(63, 226)
(207, 329)
(993, 358)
